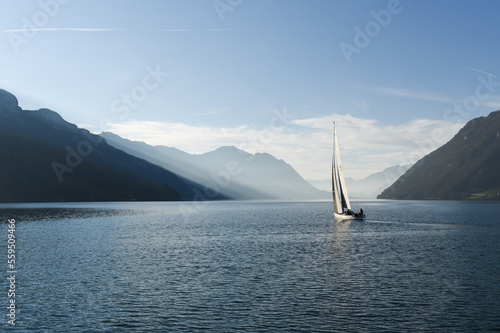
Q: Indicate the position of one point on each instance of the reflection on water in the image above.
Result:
(254, 266)
(44, 214)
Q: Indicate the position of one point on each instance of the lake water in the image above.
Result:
(254, 267)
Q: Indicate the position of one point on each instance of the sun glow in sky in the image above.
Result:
(399, 77)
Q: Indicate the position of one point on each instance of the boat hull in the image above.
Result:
(349, 217)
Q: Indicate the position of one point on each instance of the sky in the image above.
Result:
(399, 78)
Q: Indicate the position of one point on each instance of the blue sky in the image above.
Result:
(399, 77)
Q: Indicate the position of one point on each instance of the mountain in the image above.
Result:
(369, 187)
(46, 159)
(374, 184)
(227, 170)
(467, 167)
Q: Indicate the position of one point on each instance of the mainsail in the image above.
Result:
(340, 196)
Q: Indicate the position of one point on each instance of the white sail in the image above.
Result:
(337, 206)
(340, 196)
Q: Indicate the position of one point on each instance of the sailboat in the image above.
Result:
(341, 205)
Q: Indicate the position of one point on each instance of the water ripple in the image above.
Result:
(257, 267)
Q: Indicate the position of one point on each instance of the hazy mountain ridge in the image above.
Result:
(368, 187)
(229, 170)
(464, 168)
(46, 159)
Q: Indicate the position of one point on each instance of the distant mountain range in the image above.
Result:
(46, 159)
(467, 167)
(228, 170)
(369, 187)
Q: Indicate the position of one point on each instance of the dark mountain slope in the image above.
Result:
(46, 159)
(467, 167)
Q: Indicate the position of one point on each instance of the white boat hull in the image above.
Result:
(349, 217)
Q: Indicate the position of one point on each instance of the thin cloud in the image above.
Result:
(368, 146)
(493, 101)
(190, 138)
(105, 30)
(213, 111)
(413, 94)
(65, 29)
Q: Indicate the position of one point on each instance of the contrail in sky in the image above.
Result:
(106, 30)
(477, 70)
(443, 59)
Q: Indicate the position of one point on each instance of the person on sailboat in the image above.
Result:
(361, 212)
